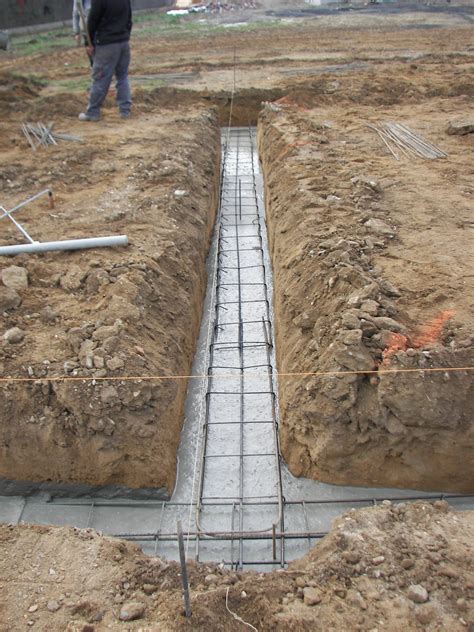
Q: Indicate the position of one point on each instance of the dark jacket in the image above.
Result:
(110, 21)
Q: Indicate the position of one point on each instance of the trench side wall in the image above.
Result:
(409, 430)
(124, 432)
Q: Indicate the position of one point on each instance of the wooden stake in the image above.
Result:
(84, 23)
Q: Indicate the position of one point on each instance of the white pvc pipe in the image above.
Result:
(31, 199)
(19, 226)
(69, 244)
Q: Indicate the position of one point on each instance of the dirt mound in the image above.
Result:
(60, 106)
(16, 88)
(402, 566)
(110, 313)
(364, 282)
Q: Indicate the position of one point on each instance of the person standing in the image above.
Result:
(78, 27)
(109, 25)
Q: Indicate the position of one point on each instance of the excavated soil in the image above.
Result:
(373, 265)
(105, 313)
(388, 567)
(134, 311)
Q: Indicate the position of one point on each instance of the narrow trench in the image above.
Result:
(234, 496)
(234, 477)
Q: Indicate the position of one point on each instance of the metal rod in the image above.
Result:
(386, 143)
(28, 137)
(44, 133)
(158, 531)
(325, 501)
(29, 200)
(238, 201)
(17, 224)
(184, 571)
(226, 535)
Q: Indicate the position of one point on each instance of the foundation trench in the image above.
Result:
(237, 501)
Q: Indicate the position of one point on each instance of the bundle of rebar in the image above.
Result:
(41, 135)
(401, 141)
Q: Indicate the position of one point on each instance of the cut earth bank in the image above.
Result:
(130, 178)
(373, 265)
(390, 567)
(104, 313)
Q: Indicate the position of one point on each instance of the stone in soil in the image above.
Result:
(15, 277)
(311, 596)
(417, 593)
(132, 611)
(14, 335)
(9, 299)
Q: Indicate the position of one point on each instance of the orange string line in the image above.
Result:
(71, 378)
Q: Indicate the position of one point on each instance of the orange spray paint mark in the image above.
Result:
(288, 102)
(397, 342)
(431, 332)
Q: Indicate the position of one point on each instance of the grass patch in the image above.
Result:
(154, 23)
(159, 23)
(253, 26)
(147, 24)
(41, 42)
(146, 84)
(72, 85)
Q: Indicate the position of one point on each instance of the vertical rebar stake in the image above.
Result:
(240, 199)
(274, 541)
(184, 571)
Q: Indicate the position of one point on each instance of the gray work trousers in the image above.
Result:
(110, 59)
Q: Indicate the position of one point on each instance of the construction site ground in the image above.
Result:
(385, 568)
(313, 81)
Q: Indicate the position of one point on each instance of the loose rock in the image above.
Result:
(211, 579)
(353, 557)
(15, 277)
(131, 611)
(9, 299)
(417, 593)
(379, 227)
(115, 363)
(460, 127)
(14, 335)
(311, 596)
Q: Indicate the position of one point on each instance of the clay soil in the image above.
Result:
(389, 567)
(134, 311)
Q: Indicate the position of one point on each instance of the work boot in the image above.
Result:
(83, 116)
